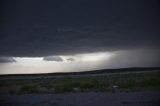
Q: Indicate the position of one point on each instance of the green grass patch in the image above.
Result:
(29, 89)
(130, 81)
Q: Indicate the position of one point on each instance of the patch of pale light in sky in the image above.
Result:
(94, 57)
(28, 60)
(81, 62)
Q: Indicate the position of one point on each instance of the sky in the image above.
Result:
(43, 36)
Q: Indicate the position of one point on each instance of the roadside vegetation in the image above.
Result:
(123, 82)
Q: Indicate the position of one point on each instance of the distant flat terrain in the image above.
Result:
(83, 73)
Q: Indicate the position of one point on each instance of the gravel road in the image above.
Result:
(141, 98)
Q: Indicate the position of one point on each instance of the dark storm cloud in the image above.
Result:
(7, 60)
(56, 27)
(53, 58)
(71, 59)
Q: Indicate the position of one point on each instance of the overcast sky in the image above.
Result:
(63, 34)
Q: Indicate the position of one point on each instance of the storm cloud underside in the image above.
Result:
(7, 60)
(43, 28)
(47, 30)
(53, 58)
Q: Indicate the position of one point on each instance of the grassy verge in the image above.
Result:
(129, 82)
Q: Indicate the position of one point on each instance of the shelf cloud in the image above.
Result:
(7, 60)
(53, 58)
(75, 35)
(85, 26)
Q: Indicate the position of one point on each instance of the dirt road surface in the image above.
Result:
(141, 98)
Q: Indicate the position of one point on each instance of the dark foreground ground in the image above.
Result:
(140, 88)
(142, 98)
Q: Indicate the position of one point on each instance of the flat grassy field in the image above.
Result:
(123, 82)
